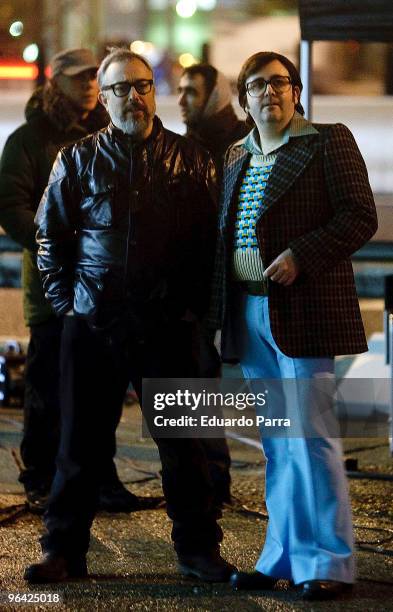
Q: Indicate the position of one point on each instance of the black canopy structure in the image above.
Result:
(359, 20)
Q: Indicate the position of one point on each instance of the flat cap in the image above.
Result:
(72, 61)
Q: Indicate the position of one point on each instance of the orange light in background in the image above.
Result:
(13, 71)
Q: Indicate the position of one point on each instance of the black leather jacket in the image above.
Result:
(123, 223)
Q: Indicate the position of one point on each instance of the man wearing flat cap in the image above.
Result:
(60, 113)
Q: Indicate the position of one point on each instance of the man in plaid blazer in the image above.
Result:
(296, 203)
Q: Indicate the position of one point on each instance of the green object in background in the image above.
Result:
(180, 35)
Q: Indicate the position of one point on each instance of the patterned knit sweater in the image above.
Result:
(246, 263)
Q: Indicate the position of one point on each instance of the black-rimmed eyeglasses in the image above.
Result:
(257, 87)
(141, 86)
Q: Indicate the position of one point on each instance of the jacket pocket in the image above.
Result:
(97, 206)
(88, 289)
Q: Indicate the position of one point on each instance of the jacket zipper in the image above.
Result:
(129, 225)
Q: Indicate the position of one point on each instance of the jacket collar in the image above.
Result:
(299, 126)
(290, 163)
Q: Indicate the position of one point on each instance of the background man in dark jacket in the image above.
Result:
(60, 113)
(205, 100)
(126, 240)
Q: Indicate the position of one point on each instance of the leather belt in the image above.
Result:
(254, 287)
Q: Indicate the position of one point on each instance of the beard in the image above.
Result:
(134, 127)
(131, 124)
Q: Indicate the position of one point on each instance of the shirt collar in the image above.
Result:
(299, 126)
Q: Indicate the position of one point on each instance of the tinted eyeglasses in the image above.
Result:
(280, 84)
(142, 87)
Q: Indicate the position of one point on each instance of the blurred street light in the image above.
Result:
(148, 50)
(187, 59)
(141, 47)
(207, 5)
(30, 53)
(16, 28)
(18, 71)
(186, 8)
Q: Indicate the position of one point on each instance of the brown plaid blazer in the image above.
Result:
(318, 202)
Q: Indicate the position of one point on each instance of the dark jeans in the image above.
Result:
(219, 463)
(41, 404)
(90, 391)
(41, 434)
(216, 449)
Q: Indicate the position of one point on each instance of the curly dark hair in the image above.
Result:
(255, 63)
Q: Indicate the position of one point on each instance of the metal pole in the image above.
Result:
(389, 346)
(306, 76)
(95, 10)
(170, 27)
(391, 383)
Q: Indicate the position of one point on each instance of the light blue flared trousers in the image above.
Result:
(309, 534)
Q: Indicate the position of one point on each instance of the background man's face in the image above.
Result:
(192, 98)
(133, 113)
(272, 107)
(81, 89)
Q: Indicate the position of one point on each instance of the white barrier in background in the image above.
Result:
(370, 119)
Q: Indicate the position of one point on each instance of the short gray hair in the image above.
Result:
(119, 54)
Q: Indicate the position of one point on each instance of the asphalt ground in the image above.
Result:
(131, 561)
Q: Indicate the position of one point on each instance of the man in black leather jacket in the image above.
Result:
(61, 112)
(126, 233)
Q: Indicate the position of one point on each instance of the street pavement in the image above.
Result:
(131, 561)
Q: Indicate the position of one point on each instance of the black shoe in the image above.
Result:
(114, 497)
(37, 499)
(319, 590)
(209, 566)
(55, 568)
(243, 581)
